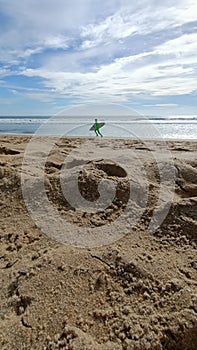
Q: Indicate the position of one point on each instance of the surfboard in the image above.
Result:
(93, 126)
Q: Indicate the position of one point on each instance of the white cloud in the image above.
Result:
(142, 20)
(43, 97)
(116, 51)
(161, 105)
(37, 25)
(4, 72)
(114, 27)
(56, 42)
(185, 44)
(154, 73)
(50, 42)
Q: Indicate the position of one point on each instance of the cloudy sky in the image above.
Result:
(58, 53)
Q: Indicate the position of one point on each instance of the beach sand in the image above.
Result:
(92, 284)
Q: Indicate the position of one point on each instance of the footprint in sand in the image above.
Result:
(5, 150)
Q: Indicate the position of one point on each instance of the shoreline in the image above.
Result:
(104, 137)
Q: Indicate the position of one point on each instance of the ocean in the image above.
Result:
(168, 128)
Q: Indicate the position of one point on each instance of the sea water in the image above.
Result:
(171, 127)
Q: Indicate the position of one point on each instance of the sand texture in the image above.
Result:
(110, 278)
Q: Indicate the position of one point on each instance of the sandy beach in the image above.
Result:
(120, 274)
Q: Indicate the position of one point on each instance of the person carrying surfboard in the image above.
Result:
(96, 128)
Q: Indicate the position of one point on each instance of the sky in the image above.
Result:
(56, 54)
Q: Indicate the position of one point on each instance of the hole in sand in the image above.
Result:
(111, 169)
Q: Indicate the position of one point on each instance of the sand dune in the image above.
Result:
(98, 244)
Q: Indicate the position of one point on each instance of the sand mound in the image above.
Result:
(137, 293)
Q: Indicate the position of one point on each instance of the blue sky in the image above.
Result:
(59, 53)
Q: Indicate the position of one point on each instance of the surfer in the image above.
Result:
(96, 128)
